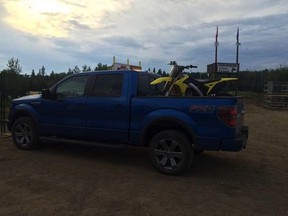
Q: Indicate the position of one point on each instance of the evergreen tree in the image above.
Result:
(33, 73)
(76, 69)
(14, 66)
(32, 81)
(42, 71)
(84, 68)
(70, 71)
(101, 67)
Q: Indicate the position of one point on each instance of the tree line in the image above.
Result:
(17, 84)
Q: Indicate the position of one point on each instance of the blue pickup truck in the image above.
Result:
(113, 108)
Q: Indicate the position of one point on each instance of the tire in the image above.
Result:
(171, 152)
(24, 134)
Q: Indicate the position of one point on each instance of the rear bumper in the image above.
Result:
(236, 144)
(216, 143)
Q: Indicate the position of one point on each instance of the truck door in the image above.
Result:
(107, 108)
(64, 115)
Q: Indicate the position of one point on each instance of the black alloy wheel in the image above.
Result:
(24, 134)
(171, 152)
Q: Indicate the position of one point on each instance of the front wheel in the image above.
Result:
(171, 152)
(24, 134)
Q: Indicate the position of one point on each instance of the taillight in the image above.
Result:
(228, 115)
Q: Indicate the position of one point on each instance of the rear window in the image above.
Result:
(108, 85)
(144, 87)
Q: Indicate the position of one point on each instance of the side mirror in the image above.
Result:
(46, 94)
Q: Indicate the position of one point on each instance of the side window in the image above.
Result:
(108, 85)
(73, 87)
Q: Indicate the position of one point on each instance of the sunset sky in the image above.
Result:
(60, 34)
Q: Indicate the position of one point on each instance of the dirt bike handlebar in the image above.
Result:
(190, 66)
(184, 67)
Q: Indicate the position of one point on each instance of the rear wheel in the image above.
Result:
(171, 152)
(24, 133)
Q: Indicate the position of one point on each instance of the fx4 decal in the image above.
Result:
(201, 109)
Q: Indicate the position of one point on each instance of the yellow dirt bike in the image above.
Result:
(180, 84)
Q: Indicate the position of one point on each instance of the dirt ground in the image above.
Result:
(74, 180)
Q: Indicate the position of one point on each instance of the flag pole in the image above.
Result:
(216, 52)
(237, 45)
(237, 57)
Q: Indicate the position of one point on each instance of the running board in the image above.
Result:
(102, 144)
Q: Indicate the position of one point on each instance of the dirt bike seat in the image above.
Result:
(208, 81)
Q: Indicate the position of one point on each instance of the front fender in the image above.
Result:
(23, 110)
(160, 80)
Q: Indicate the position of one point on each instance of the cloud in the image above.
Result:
(122, 41)
(76, 4)
(154, 32)
(78, 25)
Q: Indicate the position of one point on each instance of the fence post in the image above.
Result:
(2, 103)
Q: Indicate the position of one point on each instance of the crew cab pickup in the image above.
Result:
(121, 107)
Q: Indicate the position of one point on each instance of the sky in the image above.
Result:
(60, 34)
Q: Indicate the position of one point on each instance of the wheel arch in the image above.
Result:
(167, 123)
(23, 113)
